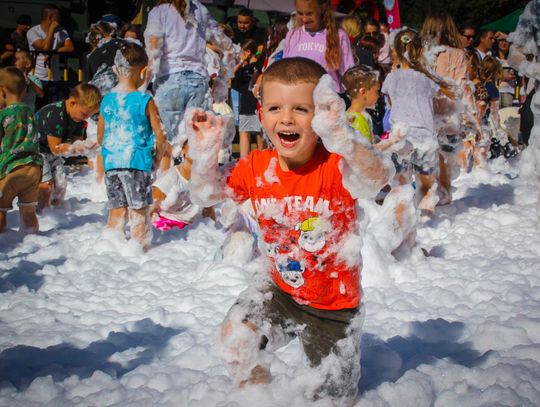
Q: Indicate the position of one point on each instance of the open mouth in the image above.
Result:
(288, 139)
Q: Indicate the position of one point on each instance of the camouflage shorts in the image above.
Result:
(128, 188)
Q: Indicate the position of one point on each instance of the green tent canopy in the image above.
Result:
(506, 24)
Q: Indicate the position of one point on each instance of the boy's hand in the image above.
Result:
(205, 132)
(330, 122)
(82, 147)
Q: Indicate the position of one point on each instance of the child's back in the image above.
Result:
(128, 138)
(19, 138)
(20, 161)
(411, 93)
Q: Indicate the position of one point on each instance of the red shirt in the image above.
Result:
(305, 216)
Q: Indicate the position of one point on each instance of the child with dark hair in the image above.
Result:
(131, 136)
(245, 76)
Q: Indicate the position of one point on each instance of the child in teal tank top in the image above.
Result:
(129, 130)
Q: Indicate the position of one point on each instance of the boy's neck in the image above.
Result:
(288, 164)
(12, 99)
(357, 106)
(404, 65)
(127, 84)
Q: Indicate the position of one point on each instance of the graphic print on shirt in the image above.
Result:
(306, 240)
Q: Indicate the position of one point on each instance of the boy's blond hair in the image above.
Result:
(86, 95)
(13, 80)
(358, 77)
(352, 26)
(292, 71)
(26, 56)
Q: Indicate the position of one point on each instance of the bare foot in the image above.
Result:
(259, 375)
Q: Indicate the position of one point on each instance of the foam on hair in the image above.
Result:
(359, 76)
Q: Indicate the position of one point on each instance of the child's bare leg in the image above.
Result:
(58, 195)
(166, 160)
(240, 343)
(445, 178)
(3, 220)
(100, 171)
(117, 219)
(427, 193)
(463, 156)
(44, 194)
(245, 143)
(28, 218)
(141, 227)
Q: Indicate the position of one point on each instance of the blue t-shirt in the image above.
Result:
(128, 139)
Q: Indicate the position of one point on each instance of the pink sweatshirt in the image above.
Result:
(300, 43)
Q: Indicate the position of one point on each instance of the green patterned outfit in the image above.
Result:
(19, 140)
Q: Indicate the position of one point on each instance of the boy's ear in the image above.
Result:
(143, 72)
(71, 102)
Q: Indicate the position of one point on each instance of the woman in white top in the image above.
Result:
(175, 36)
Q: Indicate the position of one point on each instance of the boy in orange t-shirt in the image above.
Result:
(307, 219)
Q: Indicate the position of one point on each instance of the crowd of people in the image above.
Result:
(353, 116)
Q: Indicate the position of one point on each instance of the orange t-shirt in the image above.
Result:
(304, 216)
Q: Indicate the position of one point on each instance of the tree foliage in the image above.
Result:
(476, 12)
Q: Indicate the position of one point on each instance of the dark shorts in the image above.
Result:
(53, 167)
(128, 188)
(450, 143)
(320, 331)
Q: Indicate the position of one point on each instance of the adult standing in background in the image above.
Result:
(440, 31)
(246, 29)
(507, 85)
(468, 32)
(18, 36)
(49, 36)
(385, 59)
(484, 43)
(524, 58)
(7, 49)
(175, 36)
(317, 37)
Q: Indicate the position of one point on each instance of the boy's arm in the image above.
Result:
(157, 196)
(155, 122)
(100, 129)
(364, 170)
(45, 44)
(67, 46)
(205, 131)
(37, 87)
(78, 147)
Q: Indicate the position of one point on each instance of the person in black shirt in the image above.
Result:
(7, 49)
(246, 29)
(18, 36)
(98, 69)
(61, 128)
